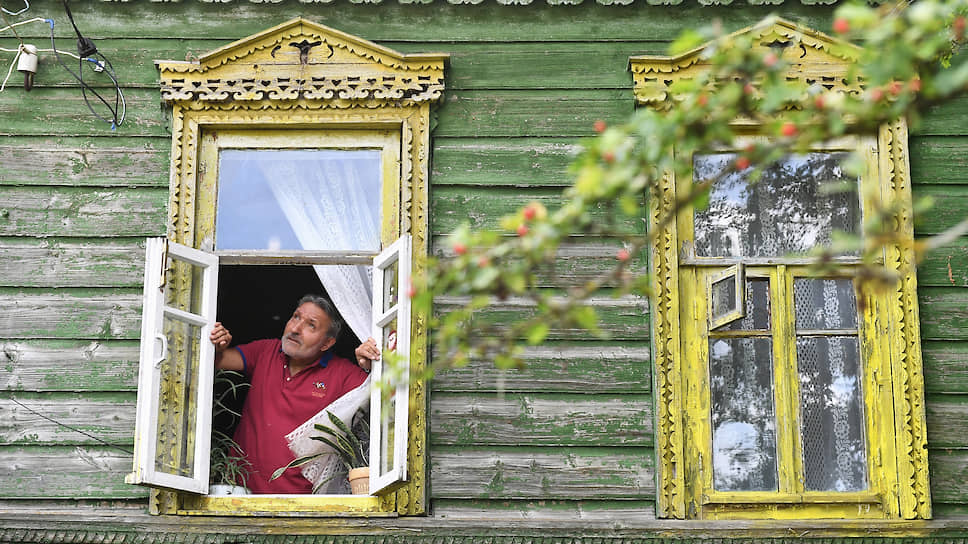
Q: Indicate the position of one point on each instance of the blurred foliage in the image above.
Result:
(907, 63)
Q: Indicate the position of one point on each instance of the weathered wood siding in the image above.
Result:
(569, 436)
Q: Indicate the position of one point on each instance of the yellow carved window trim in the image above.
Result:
(894, 413)
(313, 85)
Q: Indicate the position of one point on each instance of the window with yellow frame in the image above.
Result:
(300, 147)
(782, 393)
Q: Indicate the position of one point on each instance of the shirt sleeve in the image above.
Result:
(253, 352)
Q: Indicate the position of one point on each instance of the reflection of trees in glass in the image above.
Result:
(786, 211)
(743, 422)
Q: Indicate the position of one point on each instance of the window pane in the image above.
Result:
(787, 211)
(312, 199)
(831, 414)
(175, 449)
(825, 303)
(183, 285)
(390, 283)
(757, 308)
(743, 422)
(389, 407)
(723, 299)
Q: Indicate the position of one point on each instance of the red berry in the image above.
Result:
(411, 290)
(530, 212)
(818, 102)
(622, 255)
(788, 129)
(915, 84)
(959, 27)
(522, 229)
(841, 26)
(742, 163)
(608, 156)
(702, 100)
(876, 95)
(770, 59)
(483, 261)
(460, 248)
(600, 126)
(895, 88)
(749, 88)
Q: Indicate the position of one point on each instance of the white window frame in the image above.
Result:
(154, 313)
(399, 252)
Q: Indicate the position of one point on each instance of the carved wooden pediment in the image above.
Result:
(812, 57)
(300, 59)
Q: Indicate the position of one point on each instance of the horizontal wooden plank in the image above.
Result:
(939, 159)
(89, 162)
(502, 161)
(945, 366)
(945, 266)
(63, 112)
(516, 114)
(551, 473)
(526, 512)
(944, 313)
(611, 368)
(515, 419)
(398, 21)
(483, 208)
(949, 472)
(75, 211)
(66, 472)
(947, 421)
(63, 419)
(946, 119)
(578, 261)
(73, 262)
(96, 314)
(66, 365)
(619, 319)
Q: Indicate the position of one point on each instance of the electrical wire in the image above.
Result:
(10, 71)
(34, 20)
(26, 7)
(76, 430)
(119, 108)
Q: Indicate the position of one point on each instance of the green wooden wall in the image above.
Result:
(571, 436)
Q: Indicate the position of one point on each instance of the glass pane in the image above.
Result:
(178, 399)
(388, 396)
(787, 211)
(298, 199)
(757, 310)
(723, 299)
(831, 413)
(743, 422)
(825, 303)
(183, 285)
(390, 282)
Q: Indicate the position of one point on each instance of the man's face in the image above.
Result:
(306, 336)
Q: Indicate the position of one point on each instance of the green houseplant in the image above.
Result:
(350, 443)
(228, 466)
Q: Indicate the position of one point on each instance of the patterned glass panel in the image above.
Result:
(825, 303)
(787, 211)
(175, 449)
(832, 414)
(743, 421)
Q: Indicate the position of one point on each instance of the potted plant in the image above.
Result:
(228, 466)
(350, 443)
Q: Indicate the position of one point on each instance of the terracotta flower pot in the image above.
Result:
(359, 480)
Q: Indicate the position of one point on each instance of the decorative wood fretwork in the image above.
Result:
(304, 76)
(900, 485)
(812, 58)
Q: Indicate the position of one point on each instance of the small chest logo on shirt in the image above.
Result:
(320, 389)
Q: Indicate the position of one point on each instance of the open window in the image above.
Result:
(299, 155)
(782, 392)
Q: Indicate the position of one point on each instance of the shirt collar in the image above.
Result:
(323, 361)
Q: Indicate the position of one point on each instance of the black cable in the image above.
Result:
(117, 111)
(59, 424)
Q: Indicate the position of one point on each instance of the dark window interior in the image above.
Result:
(254, 302)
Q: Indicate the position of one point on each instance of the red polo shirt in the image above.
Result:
(278, 402)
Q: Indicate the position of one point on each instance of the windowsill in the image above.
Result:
(285, 505)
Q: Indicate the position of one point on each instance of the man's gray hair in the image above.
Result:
(335, 323)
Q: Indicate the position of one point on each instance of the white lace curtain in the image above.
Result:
(330, 207)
